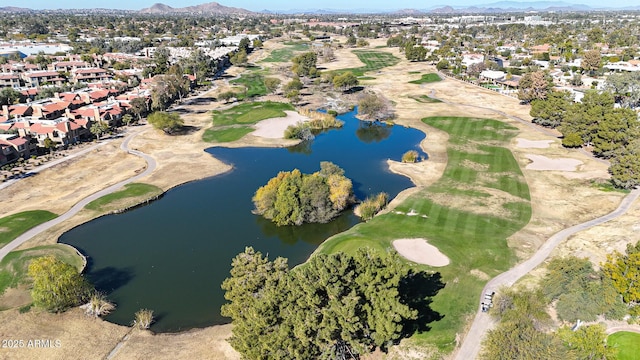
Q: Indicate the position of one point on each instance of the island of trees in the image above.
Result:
(293, 198)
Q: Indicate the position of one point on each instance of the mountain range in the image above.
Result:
(208, 8)
(214, 8)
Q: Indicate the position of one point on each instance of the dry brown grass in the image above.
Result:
(559, 200)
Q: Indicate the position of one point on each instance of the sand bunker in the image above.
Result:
(274, 128)
(421, 252)
(533, 144)
(544, 163)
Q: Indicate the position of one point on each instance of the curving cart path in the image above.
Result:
(471, 344)
(151, 166)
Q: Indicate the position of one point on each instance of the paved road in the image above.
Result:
(151, 165)
(483, 322)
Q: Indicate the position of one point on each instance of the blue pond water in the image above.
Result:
(172, 255)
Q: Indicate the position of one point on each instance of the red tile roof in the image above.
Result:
(98, 94)
(41, 129)
(19, 109)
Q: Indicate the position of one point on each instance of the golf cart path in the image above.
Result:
(471, 344)
(151, 166)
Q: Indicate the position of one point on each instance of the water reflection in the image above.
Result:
(172, 255)
(373, 131)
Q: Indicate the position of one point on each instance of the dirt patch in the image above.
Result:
(479, 274)
(208, 343)
(15, 297)
(543, 163)
(421, 252)
(70, 335)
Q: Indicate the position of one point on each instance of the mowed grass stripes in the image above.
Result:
(373, 61)
(481, 200)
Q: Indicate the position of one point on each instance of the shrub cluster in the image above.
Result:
(293, 198)
(372, 205)
(410, 156)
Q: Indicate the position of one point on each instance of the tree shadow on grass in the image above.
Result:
(417, 290)
(186, 129)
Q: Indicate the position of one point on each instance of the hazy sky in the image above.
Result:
(257, 5)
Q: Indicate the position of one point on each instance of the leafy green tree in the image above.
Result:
(293, 198)
(167, 122)
(520, 333)
(272, 84)
(615, 131)
(625, 166)
(591, 61)
(579, 291)
(244, 45)
(374, 107)
(127, 119)
(534, 86)
(253, 290)
(443, 64)
(294, 84)
(345, 81)
(587, 342)
(99, 128)
(585, 116)
(49, 144)
(330, 304)
(514, 340)
(415, 53)
(9, 96)
(226, 96)
(305, 64)
(57, 285)
(624, 272)
(139, 107)
(551, 111)
(239, 58)
(625, 87)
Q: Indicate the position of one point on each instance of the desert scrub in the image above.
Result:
(317, 121)
(371, 206)
(320, 121)
(410, 156)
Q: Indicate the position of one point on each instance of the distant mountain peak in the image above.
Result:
(208, 8)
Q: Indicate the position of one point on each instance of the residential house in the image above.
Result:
(10, 80)
(22, 146)
(90, 75)
(62, 131)
(39, 78)
(68, 66)
(471, 59)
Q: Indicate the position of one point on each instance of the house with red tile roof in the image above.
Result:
(90, 75)
(10, 80)
(62, 131)
(68, 66)
(23, 146)
(39, 78)
(17, 110)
